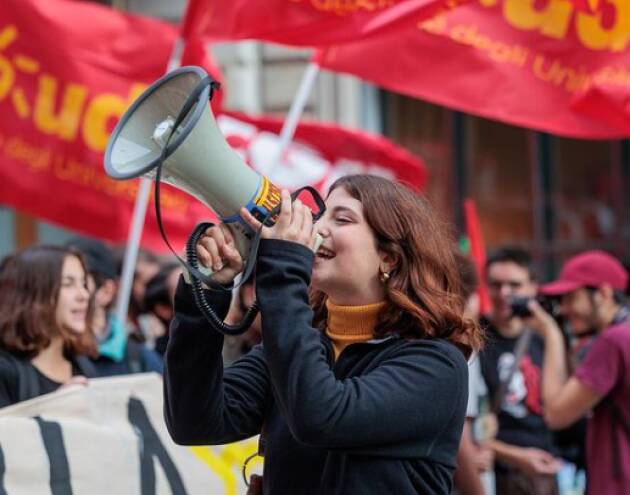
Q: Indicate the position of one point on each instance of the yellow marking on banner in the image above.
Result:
(7, 77)
(62, 120)
(221, 469)
(20, 103)
(26, 64)
(593, 5)
(7, 36)
(236, 453)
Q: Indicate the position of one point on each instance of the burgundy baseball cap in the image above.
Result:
(588, 269)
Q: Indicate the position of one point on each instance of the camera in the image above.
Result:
(519, 308)
(518, 305)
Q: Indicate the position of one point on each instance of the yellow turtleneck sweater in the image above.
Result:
(351, 324)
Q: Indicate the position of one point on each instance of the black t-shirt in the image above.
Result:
(9, 378)
(520, 415)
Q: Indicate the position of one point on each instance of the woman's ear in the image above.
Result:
(387, 263)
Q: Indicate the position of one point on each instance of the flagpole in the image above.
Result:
(139, 214)
(295, 112)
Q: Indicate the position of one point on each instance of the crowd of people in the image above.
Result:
(405, 387)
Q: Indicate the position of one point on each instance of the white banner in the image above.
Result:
(110, 438)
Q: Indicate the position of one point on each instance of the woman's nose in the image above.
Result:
(322, 230)
(83, 293)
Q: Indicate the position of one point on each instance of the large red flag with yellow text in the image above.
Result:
(542, 65)
(68, 71)
(306, 22)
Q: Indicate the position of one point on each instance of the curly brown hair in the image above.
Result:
(30, 281)
(424, 288)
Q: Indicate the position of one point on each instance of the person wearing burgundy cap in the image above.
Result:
(591, 287)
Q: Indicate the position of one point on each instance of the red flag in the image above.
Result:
(197, 53)
(522, 62)
(305, 22)
(68, 71)
(477, 251)
(319, 154)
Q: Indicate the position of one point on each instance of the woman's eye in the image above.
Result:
(342, 220)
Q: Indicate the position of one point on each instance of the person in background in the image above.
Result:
(592, 289)
(44, 323)
(117, 353)
(474, 460)
(511, 362)
(159, 296)
(147, 266)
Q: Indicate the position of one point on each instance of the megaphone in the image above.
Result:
(198, 159)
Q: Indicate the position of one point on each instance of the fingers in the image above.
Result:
(297, 217)
(294, 222)
(76, 380)
(208, 248)
(535, 308)
(284, 218)
(212, 248)
(225, 231)
(308, 233)
(232, 257)
(249, 219)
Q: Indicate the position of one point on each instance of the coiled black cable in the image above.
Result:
(192, 264)
(198, 291)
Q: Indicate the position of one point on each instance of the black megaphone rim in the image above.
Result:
(176, 141)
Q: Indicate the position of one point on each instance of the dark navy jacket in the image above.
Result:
(386, 417)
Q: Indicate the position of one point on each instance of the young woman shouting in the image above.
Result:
(44, 314)
(360, 384)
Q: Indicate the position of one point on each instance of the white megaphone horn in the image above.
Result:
(198, 159)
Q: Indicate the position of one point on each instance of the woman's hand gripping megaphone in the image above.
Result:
(294, 223)
(217, 251)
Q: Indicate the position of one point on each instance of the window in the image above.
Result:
(584, 192)
(499, 180)
(424, 130)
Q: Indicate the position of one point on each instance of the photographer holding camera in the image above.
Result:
(511, 364)
(591, 286)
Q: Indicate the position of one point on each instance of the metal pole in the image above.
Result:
(131, 251)
(137, 221)
(295, 112)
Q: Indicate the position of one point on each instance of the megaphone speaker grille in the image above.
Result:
(131, 150)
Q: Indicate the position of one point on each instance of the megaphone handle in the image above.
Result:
(198, 291)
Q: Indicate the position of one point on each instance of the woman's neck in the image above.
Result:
(351, 324)
(52, 363)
